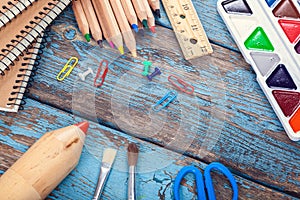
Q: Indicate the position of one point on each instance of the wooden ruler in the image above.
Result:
(188, 28)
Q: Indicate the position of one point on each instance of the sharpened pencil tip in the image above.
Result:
(84, 126)
(121, 49)
(152, 29)
(111, 44)
(135, 27)
(87, 37)
(157, 13)
(145, 24)
(134, 54)
(100, 43)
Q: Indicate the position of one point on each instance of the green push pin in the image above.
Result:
(147, 64)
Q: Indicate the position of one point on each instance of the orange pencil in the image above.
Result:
(45, 164)
(150, 17)
(114, 31)
(103, 24)
(155, 7)
(140, 11)
(130, 14)
(92, 20)
(124, 26)
(81, 19)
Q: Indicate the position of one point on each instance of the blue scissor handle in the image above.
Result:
(199, 182)
(209, 183)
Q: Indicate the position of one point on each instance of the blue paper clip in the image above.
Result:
(170, 96)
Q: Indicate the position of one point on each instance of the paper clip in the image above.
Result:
(181, 84)
(170, 96)
(72, 62)
(102, 77)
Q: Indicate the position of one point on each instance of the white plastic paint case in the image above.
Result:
(242, 25)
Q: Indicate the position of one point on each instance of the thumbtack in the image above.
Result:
(156, 72)
(147, 64)
(83, 75)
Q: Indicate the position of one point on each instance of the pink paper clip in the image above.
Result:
(102, 77)
(181, 84)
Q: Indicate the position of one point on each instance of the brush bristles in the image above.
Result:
(132, 154)
(109, 156)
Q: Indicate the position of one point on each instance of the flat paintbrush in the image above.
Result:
(107, 161)
(132, 154)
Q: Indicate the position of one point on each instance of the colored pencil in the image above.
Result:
(140, 11)
(81, 19)
(45, 164)
(114, 33)
(124, 26)
(92, 20)
(155, 7)
(150, 17)
(103, 24)
(130, 14)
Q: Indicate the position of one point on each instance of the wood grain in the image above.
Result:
(154, 184)
(228, 119)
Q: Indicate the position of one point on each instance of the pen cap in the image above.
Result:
(44, 165)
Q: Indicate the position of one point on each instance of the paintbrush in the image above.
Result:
(132, 155)
(107, 161)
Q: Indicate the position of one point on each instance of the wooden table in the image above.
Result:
(228, 119)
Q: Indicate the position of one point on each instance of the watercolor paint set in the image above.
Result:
(267, 33)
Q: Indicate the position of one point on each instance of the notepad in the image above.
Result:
(10, 9)
(14, 84)
(18, 34)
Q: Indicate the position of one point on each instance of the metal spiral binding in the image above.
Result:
(22, 73)
(11, 4)
(27, 30)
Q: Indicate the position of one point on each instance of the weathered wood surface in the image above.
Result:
(156, 174)
(228, 119)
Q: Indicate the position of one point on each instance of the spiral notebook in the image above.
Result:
(10, 9)
(17, 35)
(14, 84)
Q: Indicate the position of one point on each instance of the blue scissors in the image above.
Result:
(207, 179)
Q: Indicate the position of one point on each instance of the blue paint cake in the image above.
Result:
(268, 34)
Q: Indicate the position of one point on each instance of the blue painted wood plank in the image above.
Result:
(157, 167)
(228, 118)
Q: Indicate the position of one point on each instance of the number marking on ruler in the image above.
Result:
(188, 28)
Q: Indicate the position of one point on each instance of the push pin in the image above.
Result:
(156, 72)
(147, 64)
(83, 75)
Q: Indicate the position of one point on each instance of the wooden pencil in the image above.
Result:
(130, 14)
(92, 20)
(155, 7)
(81, 19)
(150, 16)
(124, 26)
(103, 24)
(114, 31)
(45, 164)
(140, 11)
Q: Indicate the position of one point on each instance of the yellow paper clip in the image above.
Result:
(72, 62)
